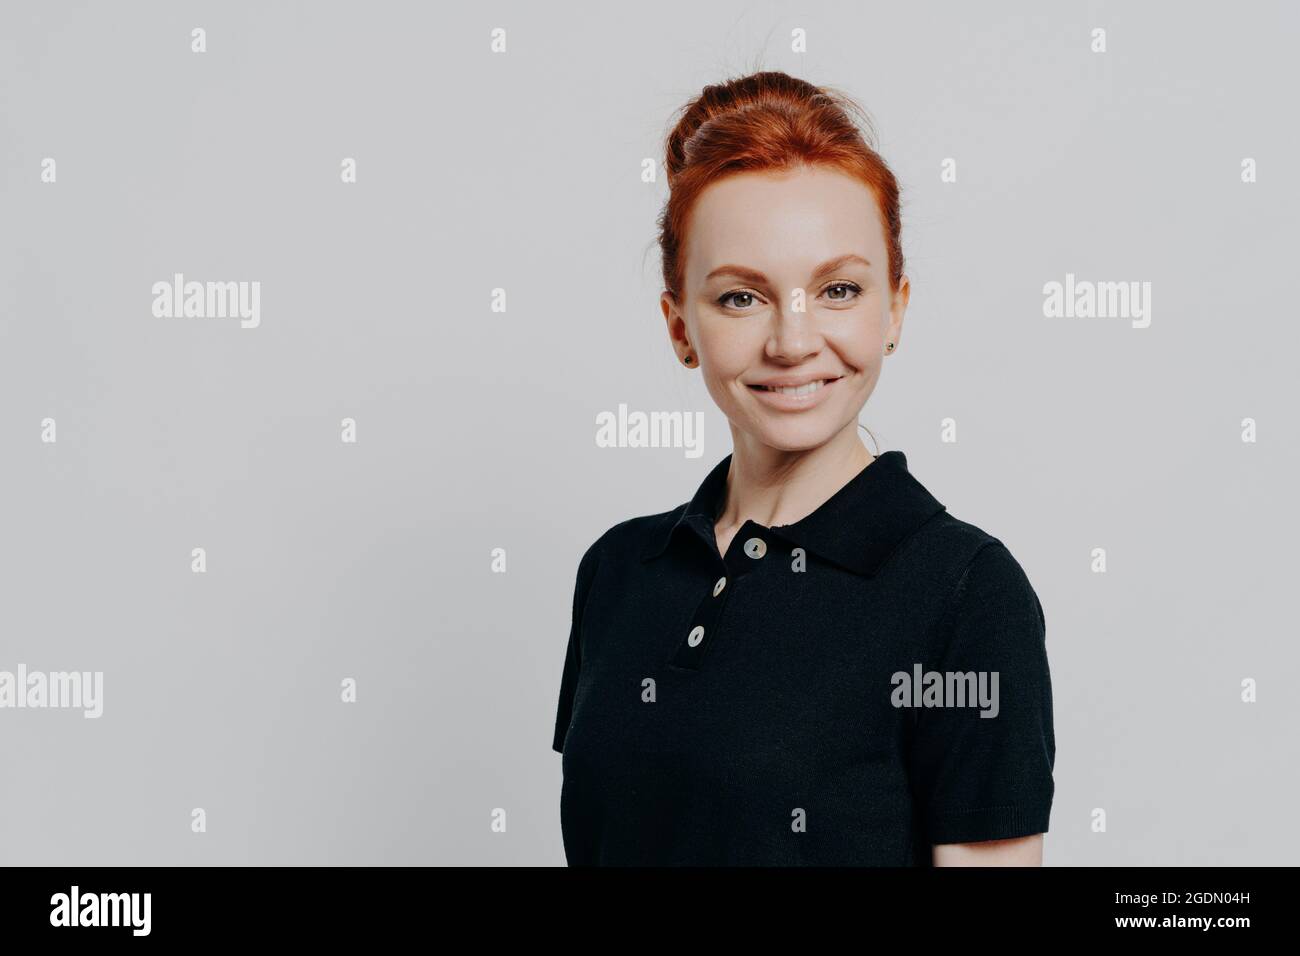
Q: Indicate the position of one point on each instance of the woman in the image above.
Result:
(812, 661)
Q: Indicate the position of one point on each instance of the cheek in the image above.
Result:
(858, 343)
(729, 352)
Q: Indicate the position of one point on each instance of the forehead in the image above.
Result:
(788, 220)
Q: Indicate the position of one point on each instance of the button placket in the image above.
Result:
(747, 550)
(704, 629)
(691, 647)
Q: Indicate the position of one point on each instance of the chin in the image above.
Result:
(801, 437)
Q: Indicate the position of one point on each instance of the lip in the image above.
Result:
(795, 380)
(793, 403)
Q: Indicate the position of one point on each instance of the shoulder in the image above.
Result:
(631, 538)
(967, 562)
(989, 607)
(947, 535)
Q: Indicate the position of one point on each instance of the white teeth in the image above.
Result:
(794, 390)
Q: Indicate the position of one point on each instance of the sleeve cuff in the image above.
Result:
(988, 823)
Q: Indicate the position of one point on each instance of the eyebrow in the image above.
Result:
(755, 277)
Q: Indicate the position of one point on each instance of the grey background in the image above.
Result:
(476, 429)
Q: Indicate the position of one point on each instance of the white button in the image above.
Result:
(756, 547)
(717, 588)
(696, 635)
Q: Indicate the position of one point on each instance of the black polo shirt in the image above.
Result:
(749, 709)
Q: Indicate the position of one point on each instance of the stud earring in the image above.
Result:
(689, 360)
(889, 347)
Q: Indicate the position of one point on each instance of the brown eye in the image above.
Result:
(724, 299)
(848, 287)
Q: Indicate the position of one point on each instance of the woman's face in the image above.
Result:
(786, 282)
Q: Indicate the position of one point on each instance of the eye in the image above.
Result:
(723, 299)
(847, 286)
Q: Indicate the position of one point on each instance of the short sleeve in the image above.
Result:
(573, 655)
(978, 777)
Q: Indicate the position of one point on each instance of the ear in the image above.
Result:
(897, 310)
(676, 324)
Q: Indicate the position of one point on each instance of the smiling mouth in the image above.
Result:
(807, 389)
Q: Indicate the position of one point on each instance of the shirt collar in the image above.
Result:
(857, 528)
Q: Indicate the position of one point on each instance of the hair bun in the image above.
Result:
(769, 120)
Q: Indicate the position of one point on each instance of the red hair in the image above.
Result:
(769, 121)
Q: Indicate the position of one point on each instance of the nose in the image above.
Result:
(794, 337)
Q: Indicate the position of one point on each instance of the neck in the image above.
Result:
(776, 487)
